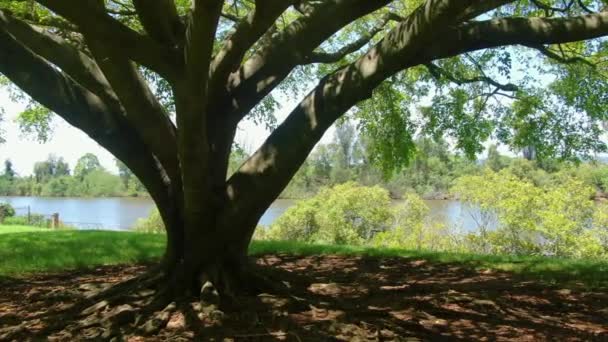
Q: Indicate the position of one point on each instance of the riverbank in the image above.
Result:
(338, 293)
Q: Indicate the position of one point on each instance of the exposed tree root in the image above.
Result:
(146, 304)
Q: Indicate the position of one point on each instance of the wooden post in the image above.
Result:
(29, 215)
(55, 220)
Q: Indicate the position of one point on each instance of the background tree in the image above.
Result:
(85, 165)
(9, 173)
(119, 70)
(130, 182)
(494, 160)
(50, 168)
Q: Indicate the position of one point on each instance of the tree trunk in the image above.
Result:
(214, 259)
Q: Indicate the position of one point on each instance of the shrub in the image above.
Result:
(556, 220)
(412, 228)
(6, 210)
(35, 220)
(345, 214)
(152, 224)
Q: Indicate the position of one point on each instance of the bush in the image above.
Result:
(6, 210)
(559, 219)
(345, 214)
(153, 224)
(35, 220)
(413, 230)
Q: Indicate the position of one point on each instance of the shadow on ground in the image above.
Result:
(335, 298)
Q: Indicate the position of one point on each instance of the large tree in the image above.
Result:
(163, 84)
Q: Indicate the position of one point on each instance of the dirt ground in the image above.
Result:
(332, 298)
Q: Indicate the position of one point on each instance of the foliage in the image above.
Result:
(345, 214)
(130, 183)
(6, 210)
(532, 220)
(85, 165)
(412, 230)
(52, 178)
(9, 174)
(52, 167)
(153, 224)
(34, 220)
(430, 172)
(101, 183)
(35, 121)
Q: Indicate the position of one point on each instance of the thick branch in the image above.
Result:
(191, 99)
(54, 49)
(142, 109)
(200, 37)
(268, 67)
(246, 34)
(230, 17)
(160, 19)
(523, 31)
(481, 7)
(82, 109)
(333, 57)
(98, 25)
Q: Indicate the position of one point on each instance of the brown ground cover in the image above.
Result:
(331, 298)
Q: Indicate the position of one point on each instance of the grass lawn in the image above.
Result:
(20, 229)
(26, 250)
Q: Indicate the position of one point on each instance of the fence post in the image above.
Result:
(55, 220)
(29, 215)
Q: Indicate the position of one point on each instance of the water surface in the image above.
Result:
(122, 213)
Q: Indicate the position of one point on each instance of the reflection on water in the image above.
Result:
(122, 213)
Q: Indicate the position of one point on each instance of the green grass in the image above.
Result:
(26, 250)
(593, 273)
(9, 229)
(51, 251)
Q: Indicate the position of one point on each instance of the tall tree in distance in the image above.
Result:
(119, 71)
(9, 173)
(494, 160)
(85, 165)
(50, 168)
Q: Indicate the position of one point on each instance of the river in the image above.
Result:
(122, 213)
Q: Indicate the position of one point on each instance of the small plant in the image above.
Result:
(6, 210)
(153, 224)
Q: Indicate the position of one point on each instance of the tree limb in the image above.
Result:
(550, 9)
(560, 58)
(54, 49)
(191, 99)
(230, 17)
(272, 63)
(98, 25)
(246, 34)
(333, 57)
(82, 109)
(439, 73)
(160, 19)
(479, 35)
(148, 117)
